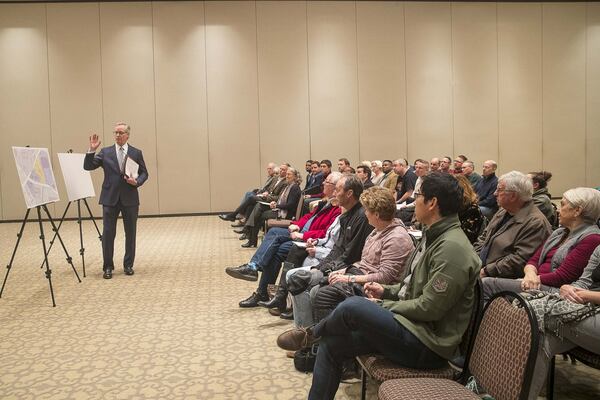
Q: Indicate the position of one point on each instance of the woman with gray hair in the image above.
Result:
(562, 258)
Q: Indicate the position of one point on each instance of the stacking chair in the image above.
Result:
(502, 359)
(381, 369)
(284, 223)
(580, 354)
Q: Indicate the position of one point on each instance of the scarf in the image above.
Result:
(552, 312)
(572, 239)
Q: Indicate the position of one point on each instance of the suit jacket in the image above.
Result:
(513, 244)
(114, 187)
(269, 184)
(276, 192)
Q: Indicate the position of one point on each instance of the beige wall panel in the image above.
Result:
(128, 84)
(564, 57)
(475, 71)
(75, 88)
(24, 107)
(520, 86)
(428, 79)
(333, 89)
(232, 101)
(282, 83)
(593, 96)
(381, 80)
(182, 137)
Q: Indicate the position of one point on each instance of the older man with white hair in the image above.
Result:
(515, 231)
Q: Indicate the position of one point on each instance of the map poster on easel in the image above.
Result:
(36, 176)
(77, 180)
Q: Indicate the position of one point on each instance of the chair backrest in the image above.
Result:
(505, 348)
(466, 345)
(299, 208)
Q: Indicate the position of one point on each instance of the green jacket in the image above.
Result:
(439, 296)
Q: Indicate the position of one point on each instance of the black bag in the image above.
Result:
(304, 359)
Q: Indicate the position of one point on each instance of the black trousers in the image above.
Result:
(109, 230)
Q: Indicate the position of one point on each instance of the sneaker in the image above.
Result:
(296, 339)
(244, 272)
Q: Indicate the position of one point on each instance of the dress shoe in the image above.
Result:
(278, 301)
(286, 315)
(249, 244)
(296, 339)
(244, 272)
(239, 231)
(227, 217)
(237, 224)
(107, 274)
(253, 300)
(128, 270)
(243, 236)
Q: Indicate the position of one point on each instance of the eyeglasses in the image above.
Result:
(417, 194)
(503, 190)
(120, 133)
(328, 183)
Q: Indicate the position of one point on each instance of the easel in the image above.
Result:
(42, 238)
(79, 220)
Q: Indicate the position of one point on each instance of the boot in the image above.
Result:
(252, 234)
(278, 301)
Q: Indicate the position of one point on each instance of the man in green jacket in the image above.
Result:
(417, 323)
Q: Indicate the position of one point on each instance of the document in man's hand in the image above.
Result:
(131, 168)
(266, 203)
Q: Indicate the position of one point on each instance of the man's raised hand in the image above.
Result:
(94, 142)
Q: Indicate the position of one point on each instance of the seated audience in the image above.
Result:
(434, 164)
(406, 210)
(364, 174)
(468, 170)
(383, 257)
(315, 179)
(343, 163)
(278, 242)
(377, 172)
(515, 231)
(470, 217)
(406, 180)
(417, 323)
(250, 198)
(575, 326)
(560, 260)
(286, 204)
(541, 196)
(310, 197)
(458, 164)
(445, 163)
(354, 229)
(390, 178)
(486, 188)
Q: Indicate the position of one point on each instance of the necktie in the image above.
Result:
(121, 158)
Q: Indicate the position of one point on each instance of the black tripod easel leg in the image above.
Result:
(43, 239)
(81, 248)
(56, 231)
(12, 258)
(69, 259)
(92, 218)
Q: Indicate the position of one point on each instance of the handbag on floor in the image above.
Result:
(304, 359)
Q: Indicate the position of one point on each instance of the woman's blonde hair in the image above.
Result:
(379, 200)
(469, 195)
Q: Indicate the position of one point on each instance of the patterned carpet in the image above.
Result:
(171, 331)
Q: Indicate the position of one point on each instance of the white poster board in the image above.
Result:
(36, 176)
(77, 180)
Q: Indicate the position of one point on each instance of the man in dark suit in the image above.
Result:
(119, 193)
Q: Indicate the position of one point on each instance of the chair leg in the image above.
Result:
(363, 384)
(550, 380)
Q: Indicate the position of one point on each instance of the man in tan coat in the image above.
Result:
(515, 231)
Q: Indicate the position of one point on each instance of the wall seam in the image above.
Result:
(357, 80)
(308, 84)
(155, 120)
(542, 76)
(405, 80)
(101, 68)
(51, 148)
(257, 92)
(210, 193)
(585, 109)
(497, 84)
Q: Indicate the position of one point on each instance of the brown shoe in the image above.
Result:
(296, 339)
(290, 354)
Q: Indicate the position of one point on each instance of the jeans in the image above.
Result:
(302, 303)
(269, 245)
(488, 212)
(583, 334)
(359, 326)
(271, 269)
